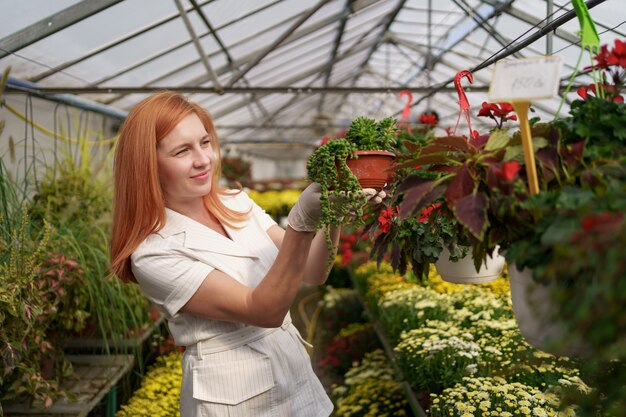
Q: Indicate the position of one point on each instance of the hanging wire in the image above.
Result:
(512, 46)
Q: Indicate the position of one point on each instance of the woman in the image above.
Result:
(217, 265)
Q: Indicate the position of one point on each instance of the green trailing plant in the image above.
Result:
(340, 190)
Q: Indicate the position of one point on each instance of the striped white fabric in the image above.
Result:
(271, 376)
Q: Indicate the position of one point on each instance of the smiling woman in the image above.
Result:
(221, 270)
(186, 163)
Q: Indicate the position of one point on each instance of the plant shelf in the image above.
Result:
(95, 376)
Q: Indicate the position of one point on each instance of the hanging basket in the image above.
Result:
(371, 168)
(535, 314)
(463, 271)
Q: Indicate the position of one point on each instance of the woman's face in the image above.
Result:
(185, 160)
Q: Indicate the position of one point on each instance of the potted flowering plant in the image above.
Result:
(453, 184)
(586, 185)
(344, 166)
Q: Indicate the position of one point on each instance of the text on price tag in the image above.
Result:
(525, 79)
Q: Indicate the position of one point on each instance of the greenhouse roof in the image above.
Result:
(286, 72)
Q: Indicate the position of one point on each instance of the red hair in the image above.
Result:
(138, 208)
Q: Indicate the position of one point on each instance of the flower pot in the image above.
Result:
(464, 272)
(535, 315)
(370, 168)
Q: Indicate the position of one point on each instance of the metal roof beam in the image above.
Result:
(52, 24)
(281, 39)
(104, 48)
(484, 24)
(306, 74)
(518, 46)
(389, 21)
(198, 46)
(532, 20)
(455, 37)
(223, 47)
(199, 80)
(337, 43)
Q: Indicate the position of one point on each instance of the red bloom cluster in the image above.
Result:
(583, 92)
(350, 244)
(346, 243)
(426, 212)
(597, 230)
(600, 220)
(386, 217)
(429, 119)
(500, 112)
(614, 57)
(613, 63)
(509, 171)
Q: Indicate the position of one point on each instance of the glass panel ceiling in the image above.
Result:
(263, 52)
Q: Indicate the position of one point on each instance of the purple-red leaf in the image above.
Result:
(471, 212)
(573, 154)
(457, 143)
(479, 141)
(549, 160)
(418, 198)
(433, 148)
(423, 160)
(412, 181)
(461, 185)
(412, 147)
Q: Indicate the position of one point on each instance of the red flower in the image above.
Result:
(426, 212)
(429, 119)
(583, 92)
(615, 57)
(509, 170)
(499, 110)
(618, 54)
(594, 221)
(346, 256)
(386, 217)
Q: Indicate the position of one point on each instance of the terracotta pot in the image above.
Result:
(535, 315)
(370, 168)
(464, 272)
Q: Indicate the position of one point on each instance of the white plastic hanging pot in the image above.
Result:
(463, 271)
(535, 314)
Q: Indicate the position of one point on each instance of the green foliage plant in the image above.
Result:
(341, 196)
(576, 233)
(75, 196)
(32, 365)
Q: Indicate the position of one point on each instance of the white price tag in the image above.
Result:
(525, 79)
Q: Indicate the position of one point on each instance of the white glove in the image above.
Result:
(374, 197)
(305, 214)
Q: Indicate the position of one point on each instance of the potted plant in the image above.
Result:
(452, 185)
(344, 166)
(585, 186)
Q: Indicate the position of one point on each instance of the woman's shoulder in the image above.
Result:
(236, 199)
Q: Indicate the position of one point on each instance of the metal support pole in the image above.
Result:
(196, 42)
(549, 36)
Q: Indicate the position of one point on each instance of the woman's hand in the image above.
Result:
(374, 197)
(306, 213)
